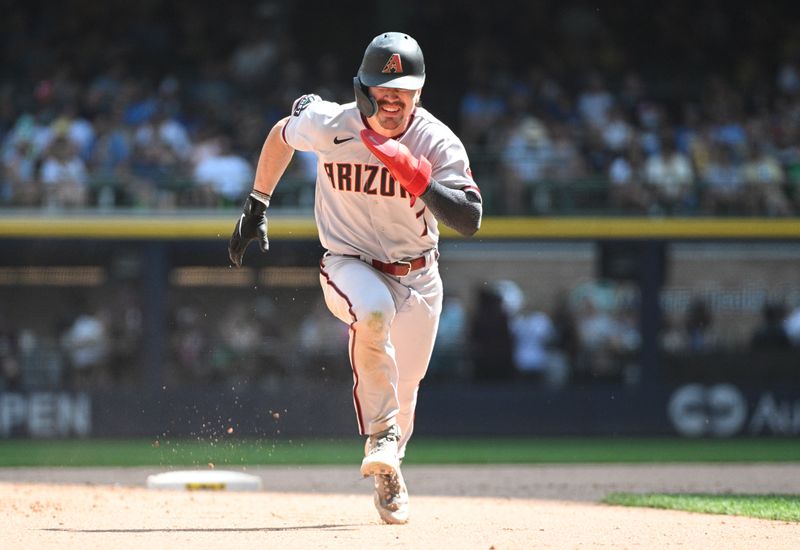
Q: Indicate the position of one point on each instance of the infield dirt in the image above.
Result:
(453, 507)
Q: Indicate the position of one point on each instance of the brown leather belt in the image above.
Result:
(400, 268)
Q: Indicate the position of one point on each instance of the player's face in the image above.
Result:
(395, 106)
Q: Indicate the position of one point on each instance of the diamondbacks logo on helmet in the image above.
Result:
(394, 65)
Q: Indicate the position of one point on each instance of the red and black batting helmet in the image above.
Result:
(392, 60)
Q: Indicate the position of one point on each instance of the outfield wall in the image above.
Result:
(165, 287)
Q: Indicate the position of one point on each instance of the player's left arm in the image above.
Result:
(458, 209)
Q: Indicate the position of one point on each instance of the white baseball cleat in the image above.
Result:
(381, 453)
(391, 498)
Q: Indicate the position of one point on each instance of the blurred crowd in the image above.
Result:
(622, 150)
(591, 333)
(560, 112)
(93, 342)
(588, 334)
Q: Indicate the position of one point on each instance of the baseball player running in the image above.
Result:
(388, 171)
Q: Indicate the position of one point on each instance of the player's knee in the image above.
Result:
(377, 318)
(377, 322)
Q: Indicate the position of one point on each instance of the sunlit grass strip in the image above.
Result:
(775, 507)
(224, 448)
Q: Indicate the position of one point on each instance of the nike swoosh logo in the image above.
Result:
(337, 141)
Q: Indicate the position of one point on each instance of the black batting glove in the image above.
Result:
(252, 226)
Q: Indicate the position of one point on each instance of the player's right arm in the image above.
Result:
(276, 153)
(252, 224)
(273, 160)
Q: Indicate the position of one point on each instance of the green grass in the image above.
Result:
(233, 451)
(777, 507)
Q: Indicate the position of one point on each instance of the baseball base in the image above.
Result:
(204, 480)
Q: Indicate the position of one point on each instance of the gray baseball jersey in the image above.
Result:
(359, 208)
